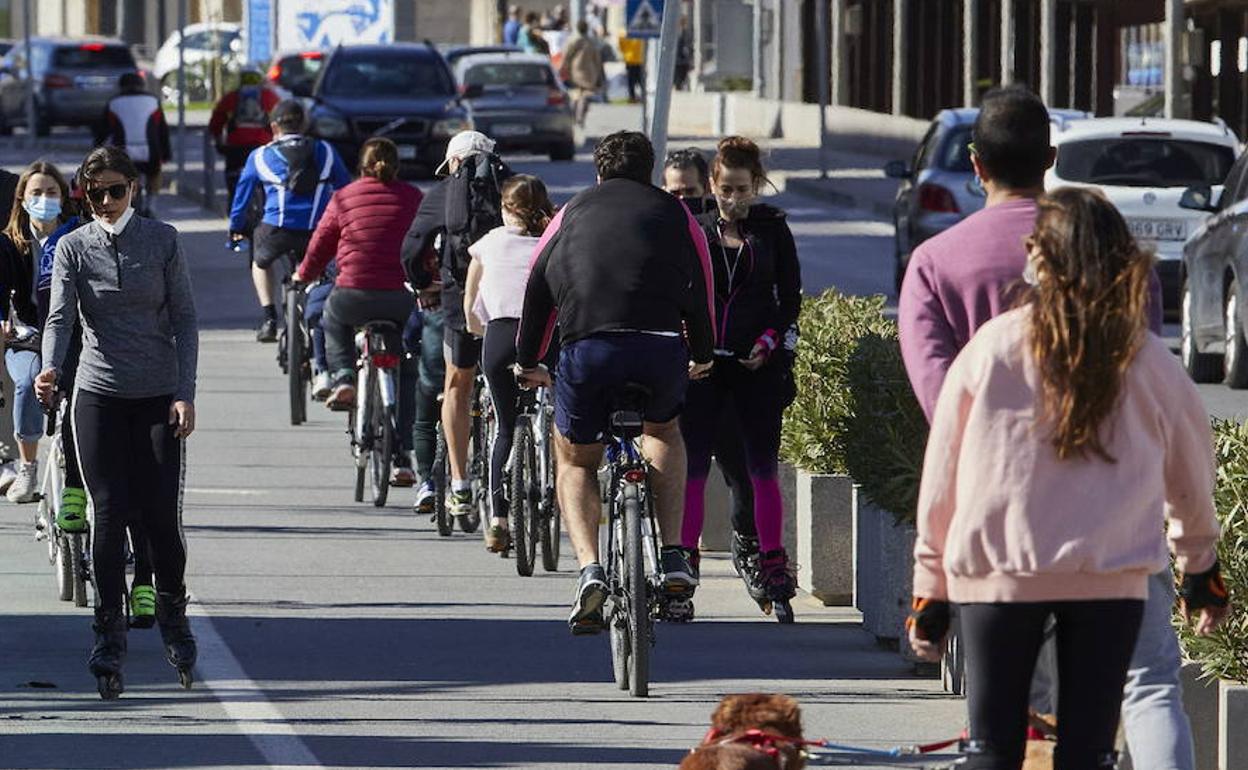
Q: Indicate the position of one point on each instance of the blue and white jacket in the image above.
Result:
(282, 208)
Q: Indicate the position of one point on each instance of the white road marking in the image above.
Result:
(224, 491)
(255, 716)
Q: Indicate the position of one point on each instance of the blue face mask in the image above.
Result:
(42, 208)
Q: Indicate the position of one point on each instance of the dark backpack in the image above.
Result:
(474, 206)
(249, 110)
(302, 173)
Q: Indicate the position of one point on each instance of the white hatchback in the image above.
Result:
(1143, 165)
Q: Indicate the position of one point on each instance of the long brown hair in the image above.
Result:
(525, 197)
(18, 228)
(1088, 313)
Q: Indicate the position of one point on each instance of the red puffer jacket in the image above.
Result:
(364, 226)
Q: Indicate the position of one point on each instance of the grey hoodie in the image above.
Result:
(132, 293)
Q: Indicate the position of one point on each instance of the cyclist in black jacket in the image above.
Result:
(623, 271)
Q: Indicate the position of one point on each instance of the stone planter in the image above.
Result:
(1232, 719)
(825, 511)
(883, 570)
(717, 527)
(866, 561)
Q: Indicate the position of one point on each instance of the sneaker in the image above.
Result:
(24, 487)
(679, 576)
(342, 399)
(591, 594)
(8, 474)
(322, 386)
(425, 499)
(142, 606)
(267, 331)
(72, 515)
(459, 504)
(497, 540)
(403, 475)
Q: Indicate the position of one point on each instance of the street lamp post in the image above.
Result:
(181, 91)
(665, 79)
(30, 75)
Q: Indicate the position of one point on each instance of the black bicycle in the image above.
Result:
(634, 579)
(532, 515)
(294, 350)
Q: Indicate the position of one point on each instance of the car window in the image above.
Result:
(90, 56)
(924, 152)
(955, 154)
(300, 69)
(1144, 162)
(387, 75)
(509, 74)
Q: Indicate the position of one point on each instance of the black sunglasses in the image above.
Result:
(114, 191)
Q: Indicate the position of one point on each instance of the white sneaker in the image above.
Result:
(322, 384)
(24, 488)
(425, 499)
(8, 474)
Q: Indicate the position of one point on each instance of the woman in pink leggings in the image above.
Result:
(758, 293)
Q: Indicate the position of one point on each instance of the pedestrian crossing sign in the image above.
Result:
(645, 17)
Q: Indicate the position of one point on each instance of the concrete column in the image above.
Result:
(1174, 26)
(1007, 42)
(901, 54)
(695, 77)
(970, 52)
(837, 54)
(1048, 51)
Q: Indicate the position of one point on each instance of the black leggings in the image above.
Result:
(498, 354)
(730, 454)
(132, 468)
(1095, 640)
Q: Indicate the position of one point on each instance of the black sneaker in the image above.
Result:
(591, 594)
(679, 575)
(267, 331)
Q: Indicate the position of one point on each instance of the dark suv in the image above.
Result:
(401, 91)
(73, 81)
(1214, 296)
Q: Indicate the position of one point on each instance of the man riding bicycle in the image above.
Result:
(135, 122)
(623, 271)
(298, 175)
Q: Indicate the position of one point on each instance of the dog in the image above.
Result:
(752, 731)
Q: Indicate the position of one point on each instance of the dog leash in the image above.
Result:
(762, 740)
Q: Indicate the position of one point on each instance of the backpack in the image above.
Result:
(302, 175)
(249, 110)
(474, 206)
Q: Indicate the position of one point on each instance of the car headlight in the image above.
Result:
(331, 127)
(445, 129)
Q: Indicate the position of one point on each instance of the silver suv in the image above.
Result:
(73, 81)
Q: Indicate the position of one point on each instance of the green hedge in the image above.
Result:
(1224, 654)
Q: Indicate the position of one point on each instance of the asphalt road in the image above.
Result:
(336, 635)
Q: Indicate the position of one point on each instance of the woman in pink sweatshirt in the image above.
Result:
(1064, 437)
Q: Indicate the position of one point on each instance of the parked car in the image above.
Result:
(73, 81)
(938, 187)
(453, 53)
(517, 99)
(1143, 165)
(293, 73)
(1214, 281)
(205, 41)
(403, 91)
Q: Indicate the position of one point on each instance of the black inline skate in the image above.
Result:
(774, 585)
(175, 631)
(109, 652)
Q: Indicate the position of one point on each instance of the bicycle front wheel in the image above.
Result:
(381, 449)
(296, 360)
(78, 557)
(638, 601)
(523, 512)
(441, 476)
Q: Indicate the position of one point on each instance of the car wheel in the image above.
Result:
(1202, 367)
(1235, 361)
(563, 152)
(899, 265)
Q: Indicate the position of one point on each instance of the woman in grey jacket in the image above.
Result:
(124, 278)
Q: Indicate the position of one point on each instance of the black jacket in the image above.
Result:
(17, 276)
(619, 256)
(765, 295)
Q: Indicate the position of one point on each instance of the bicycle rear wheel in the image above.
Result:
(361, 423)
(523, 512)
(441, 474)
(637, 600)
(296, 360)
(381, 449)
(617, 621)
(64, 567)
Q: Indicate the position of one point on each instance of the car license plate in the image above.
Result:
(1158, 229)
(96, 83)
(407, 152)
(512, 129)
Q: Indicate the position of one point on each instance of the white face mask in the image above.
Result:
(735, 207)
(115, 228)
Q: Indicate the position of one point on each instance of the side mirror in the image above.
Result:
(1198, 198)
(474, 91)
(897, 169)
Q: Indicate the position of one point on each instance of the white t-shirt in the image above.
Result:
(506, 256)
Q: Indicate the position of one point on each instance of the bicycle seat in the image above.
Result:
(628, 410)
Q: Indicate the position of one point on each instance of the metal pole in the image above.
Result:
(1173, 37)
(901, 55)
(1048, 52)
(30, 75)
(823, 44)
(756, 44)
(970, 53)
(664, 83)
(181, 91)
(1007, 42)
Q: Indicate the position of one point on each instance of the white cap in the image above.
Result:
(463, 144)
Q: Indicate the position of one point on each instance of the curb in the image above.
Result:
(822, 190)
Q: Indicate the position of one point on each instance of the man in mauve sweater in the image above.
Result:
(961, 279)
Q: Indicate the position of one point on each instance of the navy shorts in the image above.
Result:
(592, 372)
